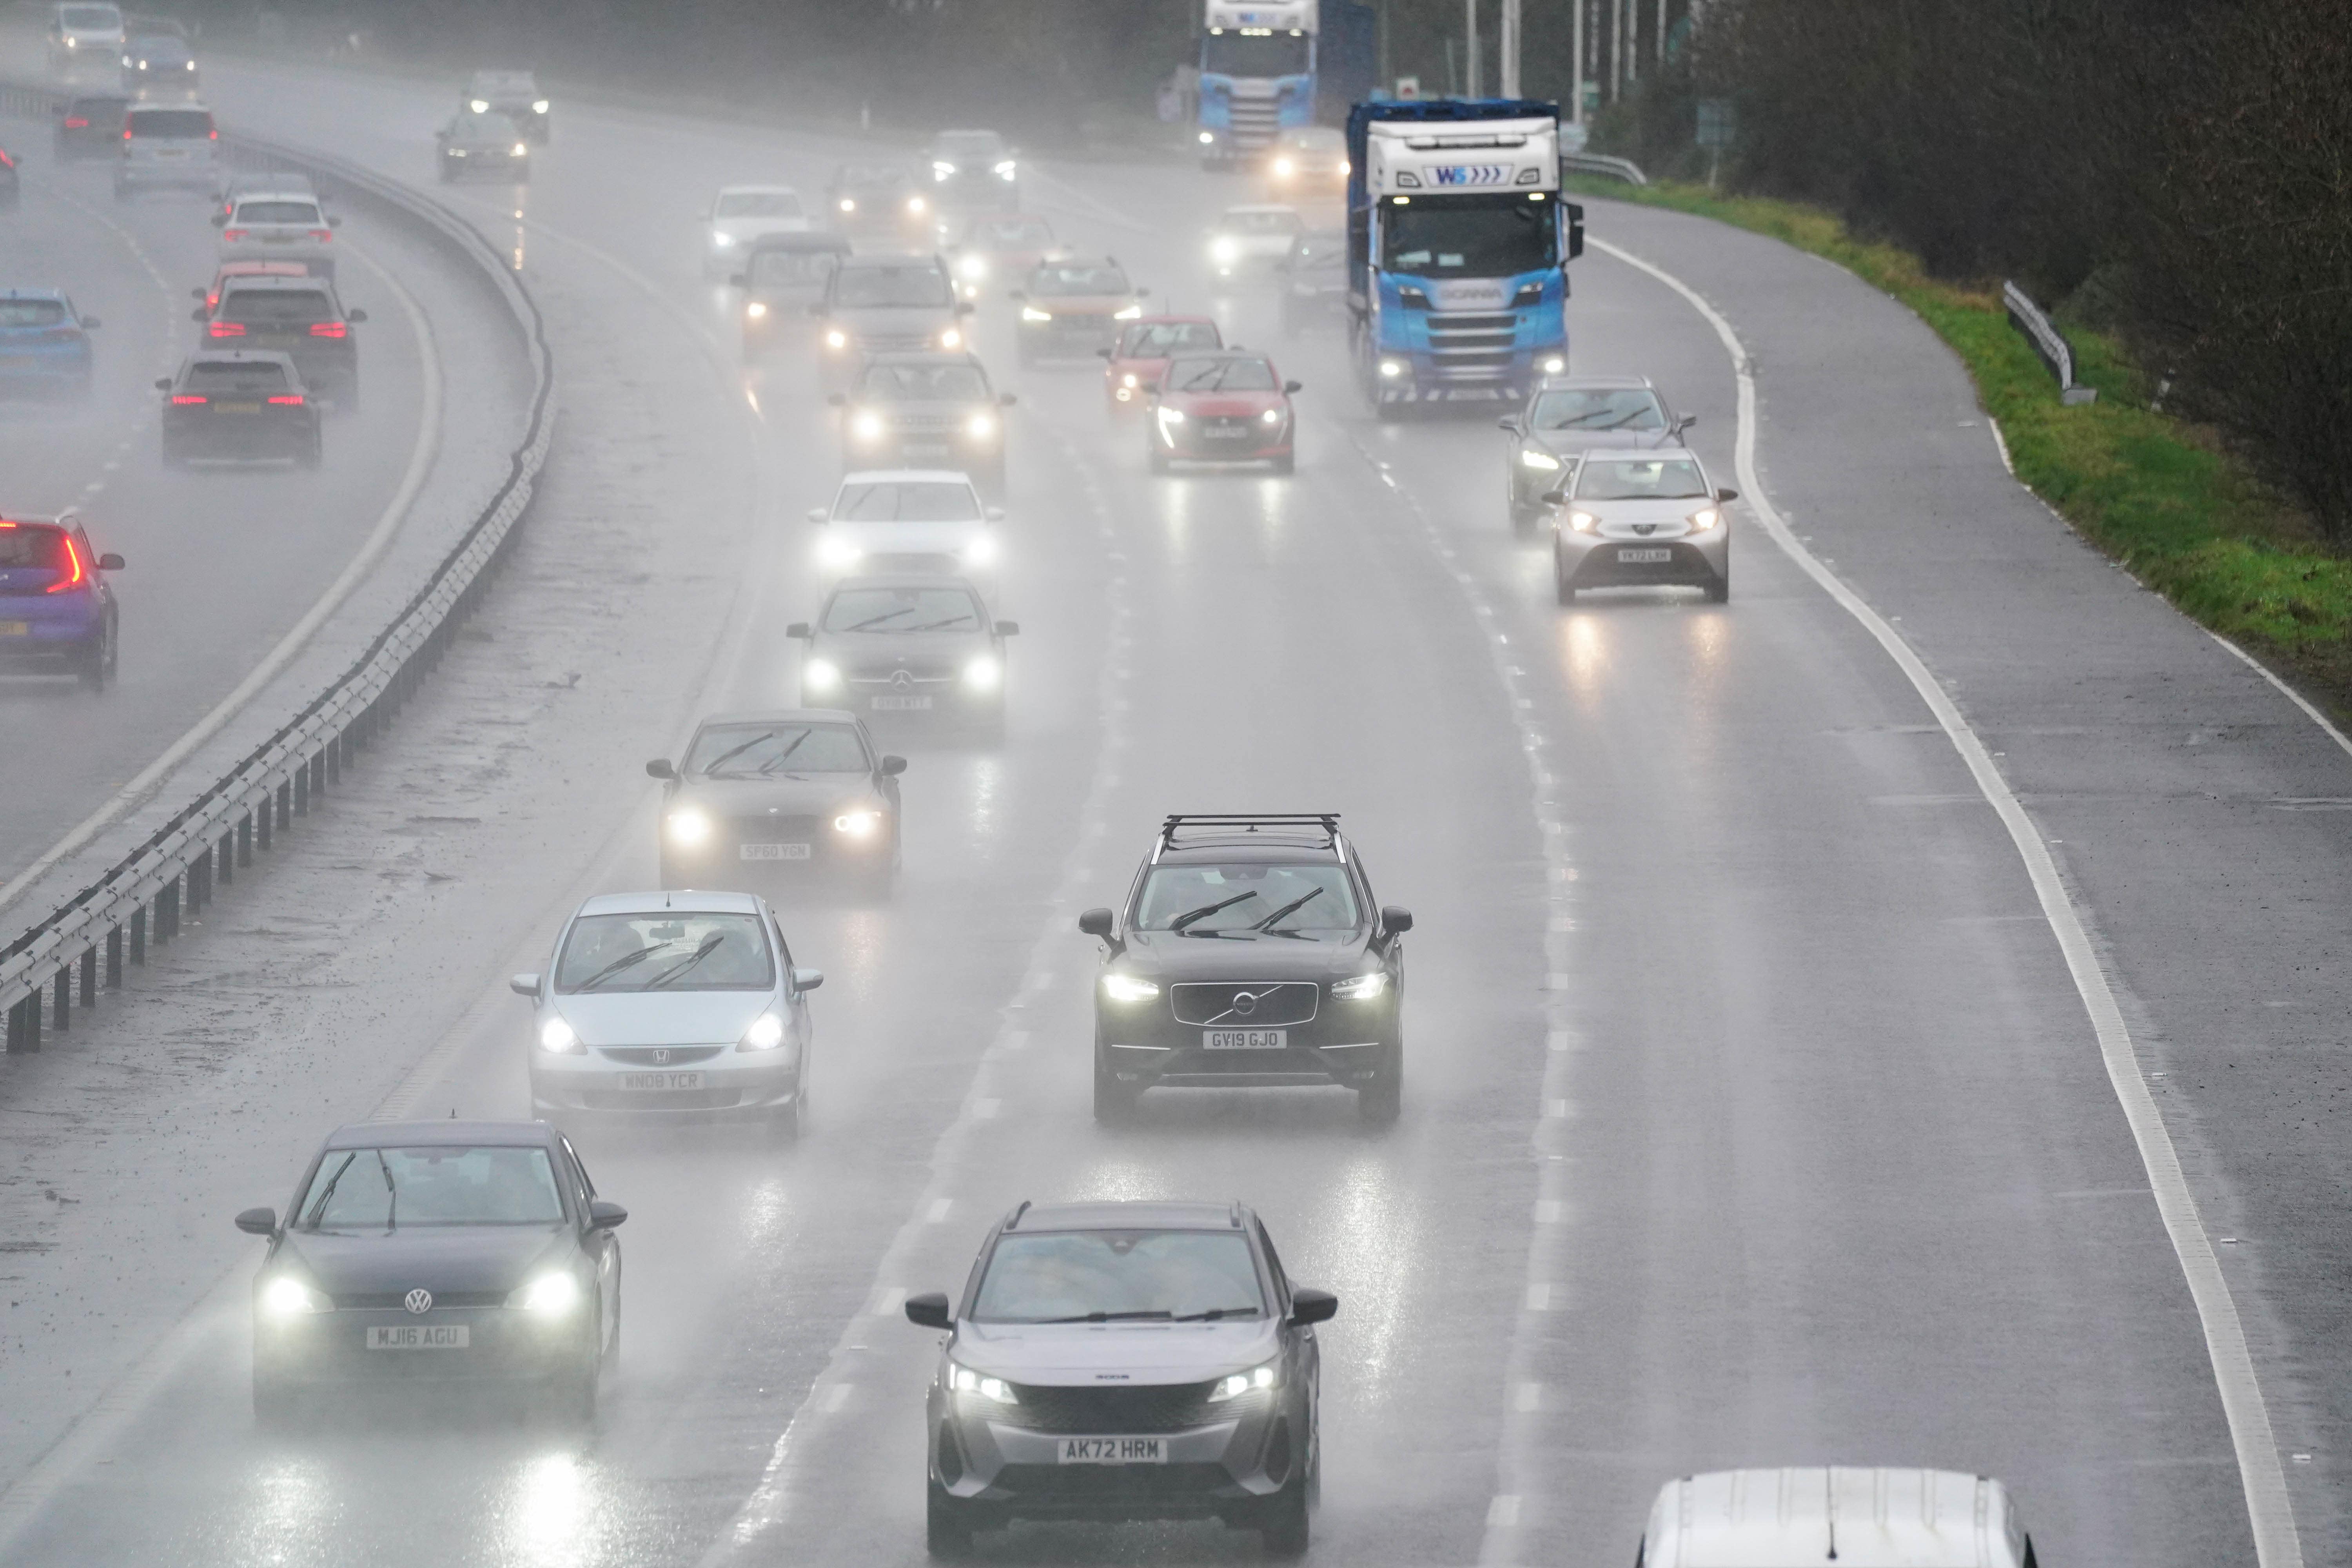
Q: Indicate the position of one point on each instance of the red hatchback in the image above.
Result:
(1141, 356)
(1229, 406)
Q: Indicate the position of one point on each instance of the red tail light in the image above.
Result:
(322, 234)
(228, 328)
(74, 123)
(75, 575)
(126, 133)
(290, 399)
(328, 329)
(6, 161)
(185, 398)
(216, 133)
(232, 235)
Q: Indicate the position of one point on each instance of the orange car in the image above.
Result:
(1139, 358)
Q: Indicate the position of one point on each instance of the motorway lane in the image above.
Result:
(1742, 788)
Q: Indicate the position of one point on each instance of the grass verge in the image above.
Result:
(2162, 495)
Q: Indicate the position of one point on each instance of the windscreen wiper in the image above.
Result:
(776, 761)
(320, 1207)
(708, 945)
(620, 963)
(1288, 910)
(1110, 1317)
(712, 766)
(391, 1207)
(1205, 910)
(940, 626)
(1213, 1313)
(886, 615)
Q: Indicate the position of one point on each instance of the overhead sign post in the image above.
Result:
(1719, 124)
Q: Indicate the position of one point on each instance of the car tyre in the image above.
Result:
(310, 453)
(96, 668)
(1158, 459)
(1114, 1100)
(1286, 463)
(947, 1526)
(1379, 1102)
(1563, 589)
(1718, 591)
(608, 1360)
(1284, 1526)
(277, 1408)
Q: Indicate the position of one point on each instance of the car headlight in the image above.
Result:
(1554, 364)
(964, 1380)
(520, 150)
(1234, 1384)
(820, 674)
(1171, 416)
(479, 105)
(558, 1039)
(755, 309)
(980, 426)
(688, 826)
(1208, 138)
(766, 1033)
(916, 205)
(980, 551)
(552, 1295)
(1582, 521)
(1531, 459)
(1133, 313)
(1223, 249)
(540, 107)
(190, 66)
(1130, 379)
(973, 267)
(848, 205)
(951, 337)
(1704, 518)
(1362, 987)
(1271, 417)
(866, 424)
(1031, 313)
(857, 824)
(1006, 170)
(1128, 988)
(1284, 168)
(721, 239)
(286, 1296)
(941, 171)
(839, 554)
(982, 674)
(1391, 368)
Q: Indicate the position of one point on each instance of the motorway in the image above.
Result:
(1752, 1116)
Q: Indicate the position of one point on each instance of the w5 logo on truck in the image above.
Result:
(1470, 174)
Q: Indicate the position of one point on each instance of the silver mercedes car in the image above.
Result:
(1125, 1361)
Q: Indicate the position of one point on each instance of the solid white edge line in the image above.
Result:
(2310, 710)
(2268, 1507)
(395, 512)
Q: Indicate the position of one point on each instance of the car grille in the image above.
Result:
(895, 342)
(660, 1099)
(397, 1301)
(764, 829)
(926, 423)
(917, 675)
(1229, 426)
(659, 1056)
(1116, 1412)
(1272, 1004)
(1471, 347)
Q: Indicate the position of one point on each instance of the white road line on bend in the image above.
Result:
(2268, 1507)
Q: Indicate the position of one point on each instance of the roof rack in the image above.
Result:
(1233, 1216)
(1246, 822)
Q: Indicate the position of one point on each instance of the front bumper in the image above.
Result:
(1593, 561)
(758, 852)
(323, 1351)
(701, 1080)
(484, 161)
(1343, 1042)
(1254, 441)
(898, 448)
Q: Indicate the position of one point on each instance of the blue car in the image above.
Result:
(57, 612)
(44, 341)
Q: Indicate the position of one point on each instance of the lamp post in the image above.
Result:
(1510, 48)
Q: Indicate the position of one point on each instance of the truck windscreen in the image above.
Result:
(1233, 53)
(1469, 236)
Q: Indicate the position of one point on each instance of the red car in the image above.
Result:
(1141, 356)
(1228, 406)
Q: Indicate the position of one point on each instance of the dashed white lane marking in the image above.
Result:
(2268, 1508)
(937, 1214)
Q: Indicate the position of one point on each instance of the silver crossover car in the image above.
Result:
(671, 1003)
(1117, 1361)
(1626, 519)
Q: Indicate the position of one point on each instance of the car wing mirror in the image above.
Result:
(92, 323)
(1553, 497)
(1395, 920)
(892, 766)
(199, 314)
(1309, 1305)
(604, 1214)
(1099, 353)
(1685, 421)
(199, 293)
(220, 220)
(659, 768)
(807, 979)
(1290, 386)
(1008, 628)
(993, 513)
(1097, 923)
(1510, 424)
(335, 223)
(818, 514)
(259, 1221)
(110, 561)
(929, 1311)
(1727, 495)
(524, 985)
(799, 629)
(163, 384)
(355, 317)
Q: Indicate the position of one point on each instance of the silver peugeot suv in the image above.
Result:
(1125, 1361)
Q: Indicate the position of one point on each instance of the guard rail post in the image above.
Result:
(2050, 344)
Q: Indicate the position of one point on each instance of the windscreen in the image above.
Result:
(771, 750)
(1599, 408)
(107, 112)
(305, 213)
(1158, 340)
(1248, 896)
(759, 203)
(1636, 479)
(32, 314)
(1078, 1276)
(1259, 222)
(784, 268)
(1015, 234)
(918, 284)
(1221, 375)
(923, 383)
(906, 500)
(217, 376)
(1469, 236)
(903, 610)
(1078, 279)
(176, 124)
(505, 82)
(385, 1189)
(870, 176)
(1233, 53)
(275, 306)
(38, 548)
(974, 145)
(473, 127)
(89, 18)
(666, 949)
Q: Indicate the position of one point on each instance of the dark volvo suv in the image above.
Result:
(1250, 951)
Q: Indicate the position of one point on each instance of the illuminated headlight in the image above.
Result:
(916, 205)
(1129, 379)
(847, 206)
(766, 1033)
(867, 425)
(1284, 168)
(982, 674)
(1391, 368)
(1223, 249)
(1208, 138)
(1234, 1384)
(941, 171)
(857, 824)
(980, 551)
(1005, 170)
(520, 150)
(190, 66)
(142, 65)
(480, 106)
(964, 1380)
(841, 555)
(1544, 461)
(1031, 313)
(688, 826)
(951, 338)
(837, 338)
(1271, 417)
(820, 674)
(973, 267)
(559, 1039)
(1171, 415)
(1128, 988)
(552, 1295)
(1133, 313)
(1362, 987)
(285, 1297)
(980, 426)
(721, 241)
(1554, 365)
(540, 107)
(1582, 521)
(755, 309)
(1703, 520)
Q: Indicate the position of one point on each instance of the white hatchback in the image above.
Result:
(278, 226)
(908, 519)
(679, 1003)
(1853, 1516)
(742, 213)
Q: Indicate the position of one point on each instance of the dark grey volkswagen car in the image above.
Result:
(761, 797)
(1120, 1360)
(1250, 951)
(438, 1255)
(907, 648)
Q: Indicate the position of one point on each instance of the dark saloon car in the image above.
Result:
(89, 125)
(878, 200)
(238, 406)
(474, 147)
(924, 411)
(974, 171)
(1124, 1361)
(447, 1256)
(1250, 950)
(158, 63)
(300, 317)
(1315, 279)
(1569, 415)
(44, 341)
(920, 647)
(881, 304)
(1231, 406)
(514, 94)
(56, 612)
(760, 798)
(781, 275)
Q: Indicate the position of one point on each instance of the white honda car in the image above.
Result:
(671, 1003)
(908, 519)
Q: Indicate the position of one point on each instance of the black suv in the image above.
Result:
(1250, 951)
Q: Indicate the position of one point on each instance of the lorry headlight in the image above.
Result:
(688, 826)
(1031, 313)
(866, 426)
(558, 1039)
(1362, 987)
(1554, 364)
(1391, 368)
(1234, 1384)
(820, 674)
(980, 426)
(766, 1033)
(1284, 168)
(1544, 461)
(1128, 988)
(286, 1297)
(552, 1295)
(982, 674)
(1208, 138)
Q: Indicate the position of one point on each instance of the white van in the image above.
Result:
(168, 147)
(1853, 1518)
(85, 32)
